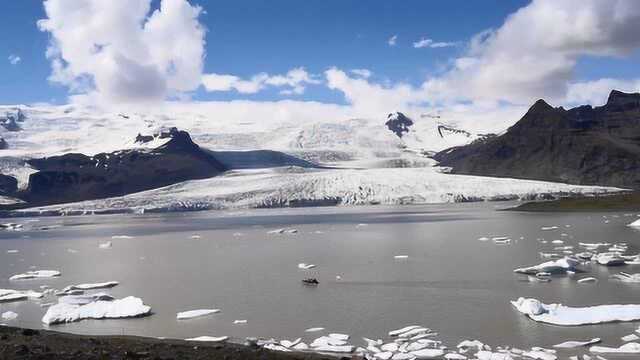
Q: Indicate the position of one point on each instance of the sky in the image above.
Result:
(371, 56)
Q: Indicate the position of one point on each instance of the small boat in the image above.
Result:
(310, 281)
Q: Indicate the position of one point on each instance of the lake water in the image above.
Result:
(451, 282)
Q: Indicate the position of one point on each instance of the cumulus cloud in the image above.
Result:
(294, 82)
(392, 40)
(364, 73)
(117, 51)
(535, 52)
(430, 43)
(596, 92)
(14, 59)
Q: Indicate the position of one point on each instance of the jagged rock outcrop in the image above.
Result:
(583, 145)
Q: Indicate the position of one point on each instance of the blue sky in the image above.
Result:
(246, 37)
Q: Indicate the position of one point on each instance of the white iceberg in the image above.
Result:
(610, 259)
(403, 330)
(558, 314)
(9, 315)
(548, 228)
(428, 353)
(576, 344)
(101, 309)
(196, 313)
(629, 348)
(401, 257)
(635, 223)
(560, 266)
(305, 266)
(37, 274)
(91, 286)
(239, 322)
(314, 329)
(121, 237)
(630, 337)
(209, 338)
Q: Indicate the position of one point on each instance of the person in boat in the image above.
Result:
(311, 281)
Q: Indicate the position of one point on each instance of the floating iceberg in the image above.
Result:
(9, 315)
(610, 259)
(403, 330)
(635, 223)
(576, 344)
(428, 353)
(196, 313)
(100, 309)
(558, 314)
(560, 266)
(305, 266)
(91, 286)
(209, 338)
(314, 329)
(105, 245)
(37, 274)
(630, 348)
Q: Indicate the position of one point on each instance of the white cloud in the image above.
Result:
(117, 52)
(14, 59)
(392, 40)
(429, 43)
(363, 73)
(596, 92)
(535, 52)
(295, 81)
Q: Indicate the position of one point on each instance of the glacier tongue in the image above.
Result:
(283, 187)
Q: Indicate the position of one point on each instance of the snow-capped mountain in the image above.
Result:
(358, 151)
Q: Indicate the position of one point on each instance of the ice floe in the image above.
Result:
(196, 313)
(629, 348)
(576, 344)
(9, 315)
(91, 286)
(558, 314)
(101, 309)
(37, 274)
(209, 338)
(560, 266)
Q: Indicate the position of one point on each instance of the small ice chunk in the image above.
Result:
(386, 355)
(305, 266)
(196, 313)
(630, 337)
(301, 347)
(12, 251)
(121, 237)
(484, 238)
(209, 338)
(559, 266)
(346, 349)
(401, 257)
(548, 228)
(403, 356)
(455, 356)
(105, 245)
(629, 348)
(587, 280)
(239, 322)
(393, 347)
(196, 237)
(576, 344)
(114, 309)
(37, 274)
(314, 329)
(343, 337)
(428, 353)
(403, 330)
(91, 286)
(288, 344)
(9, 315)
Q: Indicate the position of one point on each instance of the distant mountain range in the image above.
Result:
(584, 145)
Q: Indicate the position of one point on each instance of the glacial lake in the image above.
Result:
(451, 282)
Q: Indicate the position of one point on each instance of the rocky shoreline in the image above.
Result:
(21, 343)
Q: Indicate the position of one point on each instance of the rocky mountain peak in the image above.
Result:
(398, 123)
(620, 101)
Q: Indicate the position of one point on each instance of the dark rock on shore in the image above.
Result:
(583, 145)
(16, 343)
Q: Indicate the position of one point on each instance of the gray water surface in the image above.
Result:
(451, 282)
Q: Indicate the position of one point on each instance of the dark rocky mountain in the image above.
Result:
(398, 123)
(11, 119)
(583, 145)
(76, 177)
(8, 185)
